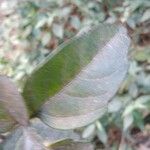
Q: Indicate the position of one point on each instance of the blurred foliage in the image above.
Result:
(30, 30)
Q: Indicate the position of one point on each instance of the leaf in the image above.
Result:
(140, 104)
(124, 145)
(23, 139)
(129, 109)
(12, 107)
(37, 136)
(70, 145)
(6, 124)
(79, 78)
(142, 54)
(75, 22)
(46, 39)
(127, 122)
(58, 30)
(138, 119)
(89, 131)
(146, 16)
(116, 104)
(29, 141)
(50, 135)
(133, 90)
(101, 133)
(143, 100)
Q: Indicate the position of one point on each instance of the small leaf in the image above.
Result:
(124, 145)
(58, 30)
(146, 15)
(65, 11)
(115, 105)
(138, 119)
(70, 145)
(143, 100)
(12, 107)
(46, 39)
(75, 22)
(101, 133)
(88, 131)
(6, 124)
(78, 79)
(133, 90)
(142, 54)
(127, 122)
(129, 109)
(41, 22)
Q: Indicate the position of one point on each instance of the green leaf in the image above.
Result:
(12, 108)
(6, 123)
(70, 145)
(79, 78)
(138, 119)
(143, 100)
(124, 145)
(101, 133)
(116, 104)
(129, 109)
(89, 131)
(127, 122)
(142, 54)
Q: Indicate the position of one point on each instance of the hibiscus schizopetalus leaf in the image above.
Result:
(77, 80)
(12, 107)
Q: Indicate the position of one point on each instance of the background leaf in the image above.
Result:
(89, 131)
(58, 30)
(101, 133)
(69, 145)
